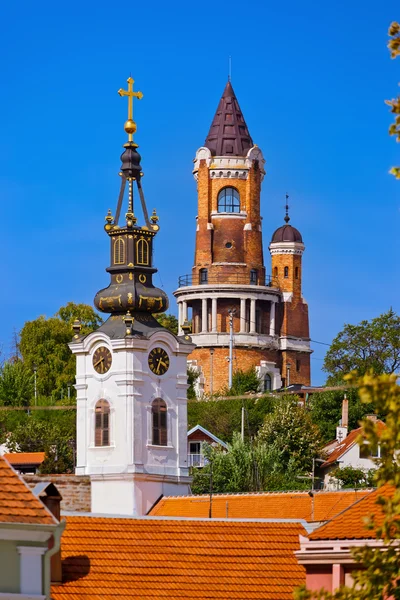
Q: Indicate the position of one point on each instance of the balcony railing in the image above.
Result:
(196, 460)
(222, 278)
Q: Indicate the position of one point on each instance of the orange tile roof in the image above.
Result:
(349, 441)
(269, 505)
(25, 458)
(17, 503)
(350, 525)
(108, 558)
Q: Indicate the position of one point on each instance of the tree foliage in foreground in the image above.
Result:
(378, 570)
(394, 129)
(371, 346)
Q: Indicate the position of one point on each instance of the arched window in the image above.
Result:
(102, 424)
(142, 250)
(267, 383)
(275, 271)
(203, 276)
(159, 422)
(286, 272)
(119, 251)
(229, 200)
(296, 272)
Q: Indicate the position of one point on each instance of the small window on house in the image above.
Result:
(253, 276)
(228, 200)
(142, 250)
(102, 423)
(119, 251)
(203, 276)
(296, 272)
(298, 364)
(267, 383)
(368, 451)
(275, 271)
(159, 422)
(286, 272)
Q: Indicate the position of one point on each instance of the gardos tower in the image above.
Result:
(229, 280)
(131, 373)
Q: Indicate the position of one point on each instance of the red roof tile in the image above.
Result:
(108, 558)
(25, 458)
(271, 505)
(350, 524)
(17, 503)
(348, 441)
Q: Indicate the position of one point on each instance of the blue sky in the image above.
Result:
(311, 79)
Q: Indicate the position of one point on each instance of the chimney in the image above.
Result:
(49, 495)
(372, 418)
(345, 412)
(341, 431)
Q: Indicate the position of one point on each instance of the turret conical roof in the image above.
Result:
(228, 135)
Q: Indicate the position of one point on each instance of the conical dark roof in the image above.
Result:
(228, 133)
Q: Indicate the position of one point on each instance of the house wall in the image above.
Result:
(319, 577)
(351, 458)
(9, 567)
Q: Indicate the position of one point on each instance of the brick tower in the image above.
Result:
(228, 279)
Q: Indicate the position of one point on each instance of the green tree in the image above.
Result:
(245, 467)
(369, 346)
(44, 344)
(351, 477)
(170, 322)
(52, 432)
(16, 384)
(326, 410)
(223, 417)
(192, 376)
(89, 319)
(243, 382)
(379, 568)
(394, 129)
(292, 435)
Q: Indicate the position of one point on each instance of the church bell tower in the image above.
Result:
(131, 373)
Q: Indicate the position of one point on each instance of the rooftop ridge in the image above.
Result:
(270, 493)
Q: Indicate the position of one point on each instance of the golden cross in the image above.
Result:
(130, 125)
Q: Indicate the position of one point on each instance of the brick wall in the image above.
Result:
(243, 359)
(75, 491)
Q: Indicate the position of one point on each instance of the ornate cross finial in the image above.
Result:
(130, 125)
(287, 218)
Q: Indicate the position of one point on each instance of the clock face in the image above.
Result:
(102, 360)
(158, 361)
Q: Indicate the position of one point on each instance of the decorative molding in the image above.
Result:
(228, 215)
(295, 248)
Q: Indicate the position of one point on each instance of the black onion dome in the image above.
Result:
(287, 233)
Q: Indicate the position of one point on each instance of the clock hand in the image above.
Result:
(163, 363)
(158, 366)
(98, 362)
